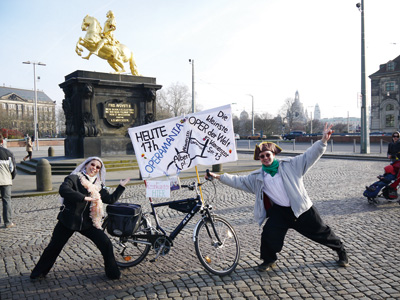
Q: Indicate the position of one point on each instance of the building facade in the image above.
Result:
(317, 112)
(17, 107)
(385, 105)
(298, 110)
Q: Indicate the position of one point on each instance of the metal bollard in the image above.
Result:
(354, 145)
(217, 168)
(50, 151)
(43, 176)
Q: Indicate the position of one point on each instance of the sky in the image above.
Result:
(243, 50)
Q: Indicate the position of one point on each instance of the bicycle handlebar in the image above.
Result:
(193, 185)
(209, 177)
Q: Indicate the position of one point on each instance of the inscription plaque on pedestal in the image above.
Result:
(118, 113)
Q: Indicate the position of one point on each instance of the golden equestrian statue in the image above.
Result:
(104, 45)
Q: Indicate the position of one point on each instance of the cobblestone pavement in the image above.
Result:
(305, 270)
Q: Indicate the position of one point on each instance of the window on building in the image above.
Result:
(19, 110)
(389, 86)
(390, 120)
(390, 66)
(389, 107)
(4, 106)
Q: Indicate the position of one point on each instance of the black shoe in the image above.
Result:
(115, 274)
(343, 260)
(266, 266)
(37, 276)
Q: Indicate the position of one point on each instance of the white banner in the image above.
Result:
(170, 146)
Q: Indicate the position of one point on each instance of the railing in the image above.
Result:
(10, 143)
(379, 146)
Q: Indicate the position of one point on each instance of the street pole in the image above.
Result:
(365, 146)
(192, 62)
(252, 113)
(35, 117)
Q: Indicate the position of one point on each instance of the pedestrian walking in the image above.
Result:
(83, 193)
(28, 148)
(8, 171)
(282, 200)
(394, 147)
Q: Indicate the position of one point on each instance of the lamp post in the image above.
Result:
(191, 61)
(311, 119)
(365, 147)
(252, 113)
(35, 118)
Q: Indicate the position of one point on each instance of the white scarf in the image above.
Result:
(96, 207)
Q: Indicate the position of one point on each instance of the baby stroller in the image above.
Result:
(383, 189)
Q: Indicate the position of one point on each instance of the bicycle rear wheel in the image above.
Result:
(219, 258)
(129, 251)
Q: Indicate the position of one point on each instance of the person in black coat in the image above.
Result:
(394, 146)
(83, 193)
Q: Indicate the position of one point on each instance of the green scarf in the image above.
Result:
(271, 169)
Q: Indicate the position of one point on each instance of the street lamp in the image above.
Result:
(311, 118)
(191, 61)
(252, 113)
(35, 121)
(364, 119)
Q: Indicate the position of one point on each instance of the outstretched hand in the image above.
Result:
(123, 182)
(326, 135)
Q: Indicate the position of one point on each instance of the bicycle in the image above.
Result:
(216, 243)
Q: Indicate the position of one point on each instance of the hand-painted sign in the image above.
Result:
(170, 146)
(158, 189)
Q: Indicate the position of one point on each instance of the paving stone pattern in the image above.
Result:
(305, 270)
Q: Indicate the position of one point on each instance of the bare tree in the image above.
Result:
(174, 101)
(287, 113)
(162, 110)
(60, 121)
(340, 128)
(290, 116)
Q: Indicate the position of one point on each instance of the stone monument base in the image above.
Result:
(98, 146)
(100, 108)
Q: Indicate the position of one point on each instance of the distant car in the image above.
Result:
(256, 137)
(293, 134)
(237, 136)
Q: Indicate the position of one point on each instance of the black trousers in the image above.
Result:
(309, 224)
(60, 237)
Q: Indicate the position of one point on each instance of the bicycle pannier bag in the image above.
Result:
(184, 206)
(123, 218)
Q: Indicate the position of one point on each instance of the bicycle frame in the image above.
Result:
(184, 221)
(199, 206)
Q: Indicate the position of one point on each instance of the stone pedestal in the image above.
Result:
(100, 107)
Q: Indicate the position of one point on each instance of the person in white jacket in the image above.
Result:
(281, 198)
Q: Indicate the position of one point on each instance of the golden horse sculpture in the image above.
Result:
(115, 53)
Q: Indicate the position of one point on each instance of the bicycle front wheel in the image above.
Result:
(131, 251)
(217, 247)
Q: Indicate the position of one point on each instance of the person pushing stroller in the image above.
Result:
(390, 174)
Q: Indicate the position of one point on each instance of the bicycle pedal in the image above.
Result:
(153, 260)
